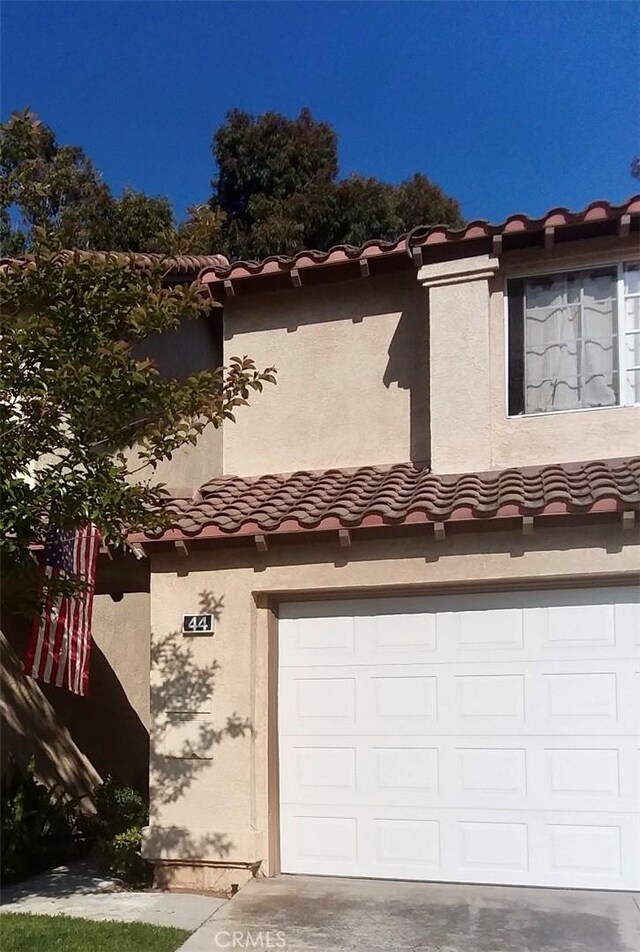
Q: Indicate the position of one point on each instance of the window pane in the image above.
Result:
(633, 385)
(632, 278)
(546, 292)
(571, 393)
(632, 350)
(571, 341)
(599, 285)
(632, 307)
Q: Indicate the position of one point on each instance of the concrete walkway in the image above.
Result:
(78, 891)
(317, 914)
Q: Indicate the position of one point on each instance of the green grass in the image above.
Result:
(21, 932)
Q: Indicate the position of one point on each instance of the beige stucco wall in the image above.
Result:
(191, 348)
(459, 363)
(352, 362)
(469, 423)
(191, 466)
(209, 777)
(120, 691)
(374, 371)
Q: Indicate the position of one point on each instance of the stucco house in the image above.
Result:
(420, 552)
(418, 558)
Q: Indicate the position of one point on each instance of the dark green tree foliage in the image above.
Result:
(277, 191)
(46, 185)
(138, 222)
(277, 186)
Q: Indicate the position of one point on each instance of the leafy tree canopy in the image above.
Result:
(46, 185)
(85, 417)
(278, 188)
(277, 191)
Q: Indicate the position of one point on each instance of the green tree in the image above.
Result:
(46, 185)
(278, 189)
(138, 222)
(200, 234)
(85, 417)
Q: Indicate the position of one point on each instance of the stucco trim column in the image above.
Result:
(459, 362)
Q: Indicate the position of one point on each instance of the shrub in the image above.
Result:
(37, 831)
(118, 808)
(122, 857)
(121, 812)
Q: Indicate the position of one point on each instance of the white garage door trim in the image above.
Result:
(479, 738)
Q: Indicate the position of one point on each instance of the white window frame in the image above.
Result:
(624, 389)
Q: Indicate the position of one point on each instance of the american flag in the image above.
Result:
(61, 636)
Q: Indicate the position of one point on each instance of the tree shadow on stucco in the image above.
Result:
(408, 368)
(185, 733)
(74, 740)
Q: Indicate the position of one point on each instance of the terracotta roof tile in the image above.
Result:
(424, 236)
(392, 495)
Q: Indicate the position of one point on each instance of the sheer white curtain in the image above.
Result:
(570, 341)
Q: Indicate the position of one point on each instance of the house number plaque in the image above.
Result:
(197, 624)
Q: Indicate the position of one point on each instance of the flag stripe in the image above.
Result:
(57, 629)
(36, 643)
(90, 569)
(73, 648)
(67, 635)
(77, 646)
(59, 648)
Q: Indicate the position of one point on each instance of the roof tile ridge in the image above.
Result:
(420, 233)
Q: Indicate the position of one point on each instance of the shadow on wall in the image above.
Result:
(183, 684)
(355, 302)
(408, 367)
(31, 726)
(75, 741)
(184, 844)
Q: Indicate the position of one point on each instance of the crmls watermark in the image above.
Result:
(262, 939)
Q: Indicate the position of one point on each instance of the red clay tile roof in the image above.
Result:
(398, 495)
(598, 212)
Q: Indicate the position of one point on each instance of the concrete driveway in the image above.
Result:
(317, 914)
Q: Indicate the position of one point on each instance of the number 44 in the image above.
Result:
(197, 624)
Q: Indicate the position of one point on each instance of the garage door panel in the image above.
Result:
(589, 623)
(360, 771)
(394, 638)
(491, 772)
(471, 630)
(403, 774)
(585, 698)
(318, 704)
(483, 739)
(317, 641)
(400, 844)
(532, 697)
(490, 699)
(494, 773)
(326, 844)
(546, 849)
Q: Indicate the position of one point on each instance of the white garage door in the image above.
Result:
(483, 738)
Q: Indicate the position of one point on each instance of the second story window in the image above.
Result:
(574, 339)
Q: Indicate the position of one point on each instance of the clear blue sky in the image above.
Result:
(509, 106)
